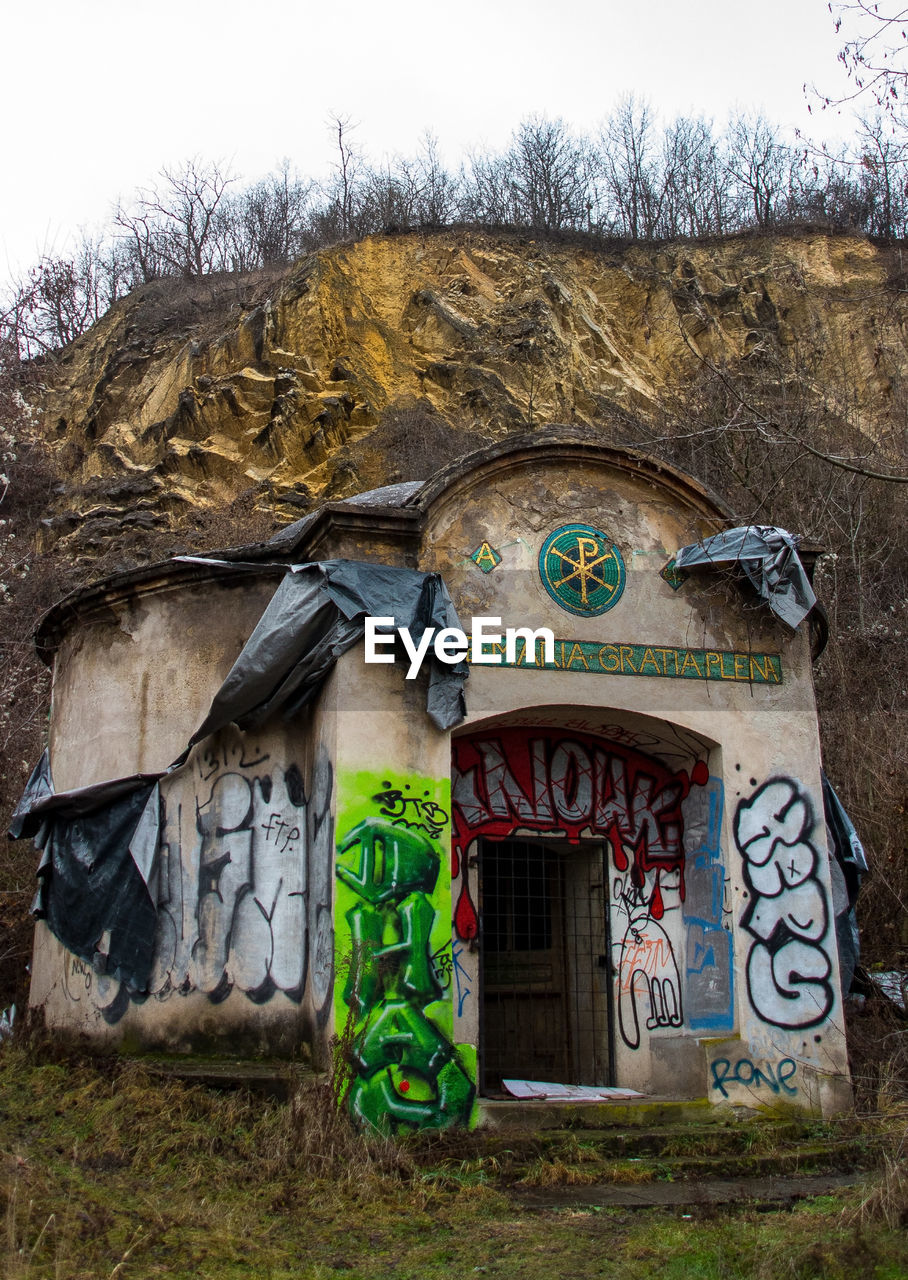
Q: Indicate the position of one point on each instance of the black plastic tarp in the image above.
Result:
(317, 613)
(96, 878)
(768, 557)
(848, 862)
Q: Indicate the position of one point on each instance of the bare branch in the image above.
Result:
(764, 423)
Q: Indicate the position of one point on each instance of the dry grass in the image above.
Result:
(886, 1197)
(320, 1139)
(109, 1172)
(879, 1049)
(548, 1172)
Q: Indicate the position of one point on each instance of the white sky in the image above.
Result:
(99, 94)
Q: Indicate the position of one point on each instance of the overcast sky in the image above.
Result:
(99, 94)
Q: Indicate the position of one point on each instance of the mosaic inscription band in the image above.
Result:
(649, 660)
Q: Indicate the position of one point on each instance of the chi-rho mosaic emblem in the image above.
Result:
(581, 569)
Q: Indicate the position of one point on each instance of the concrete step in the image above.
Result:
(681, 1195)
(548, 1143)
(742, 1137)
(678, 1153)
(540, 1114)
(839, 1156)
(269, 1077)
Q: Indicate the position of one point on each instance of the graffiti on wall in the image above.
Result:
(776, 1077)
(513, 779)
(243, 902)
(648, 979)
(320, 863)
(709, 989)
(247, 913)
(576, 784)
(789, 967)
(394, 945)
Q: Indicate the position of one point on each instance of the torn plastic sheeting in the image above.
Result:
(39, 800)
(99, 842)
(769, 558)
(317, 613)
(848, 866)
(95, 885)
(7, 1023)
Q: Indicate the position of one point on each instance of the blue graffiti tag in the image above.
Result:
(746, 1073)
(460, 972)
(710, 989)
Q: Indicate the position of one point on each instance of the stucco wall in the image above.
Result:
(759, 746)
(244, 945)
(306, 884)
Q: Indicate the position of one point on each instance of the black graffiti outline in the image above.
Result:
(663, 984)
(788, 958)
(171, 889)
(218, 755)
(319, 912)
(393, 804)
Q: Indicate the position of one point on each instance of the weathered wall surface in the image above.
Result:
(179, 403)
(326, 875)
(134, 682)
(687, 714)
(243, 952)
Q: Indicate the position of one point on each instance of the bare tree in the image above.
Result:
(695, 201)
(488, 193)
(389, 197)
(760, 164)
(549, 173)
(138, 240)
(874, 52)
(439, 191)
(342, 192)
(633, 182)
(883, 159)
(640, 180)
(407, 192)
(62, 297)
(264, 224)
(177, 226)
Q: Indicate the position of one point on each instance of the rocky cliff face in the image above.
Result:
(187, 395)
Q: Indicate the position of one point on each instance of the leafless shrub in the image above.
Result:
(638, 179)
(176, 226)
(264, 224)
(878, 1055)
(411, 441)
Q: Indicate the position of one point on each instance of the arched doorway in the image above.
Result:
(568, 868)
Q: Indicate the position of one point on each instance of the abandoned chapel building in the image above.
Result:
(600, 863)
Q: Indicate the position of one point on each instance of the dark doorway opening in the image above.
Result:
(546, 987)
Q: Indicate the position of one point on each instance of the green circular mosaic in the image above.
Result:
(581, 569)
